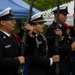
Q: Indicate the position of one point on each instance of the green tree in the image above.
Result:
(46, 4)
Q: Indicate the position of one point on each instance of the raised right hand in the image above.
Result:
(29, 27)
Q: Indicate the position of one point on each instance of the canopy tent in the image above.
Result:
(19, 7)
(25, 5)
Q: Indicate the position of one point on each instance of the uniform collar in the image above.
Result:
(5, 33)
(60, 25)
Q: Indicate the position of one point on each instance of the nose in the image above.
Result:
(42, 25)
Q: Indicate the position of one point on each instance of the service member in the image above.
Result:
(37, 48)
(73, 53)
(10, 53)
(65, 44)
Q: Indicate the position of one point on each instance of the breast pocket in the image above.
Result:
(9, 51)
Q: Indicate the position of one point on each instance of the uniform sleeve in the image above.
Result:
(50, 35)
(65, 49)
(39, 60)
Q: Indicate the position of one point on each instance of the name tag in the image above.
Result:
(7, 46)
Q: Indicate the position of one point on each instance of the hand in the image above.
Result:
(56, 58)
(29, 27)
(21, 59)
(73, 46)
(58, 32)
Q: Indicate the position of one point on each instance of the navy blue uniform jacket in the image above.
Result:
(9, 50)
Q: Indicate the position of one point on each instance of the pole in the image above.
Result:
(24, 34)
(74, 18)
(57, 38)
(24, 37)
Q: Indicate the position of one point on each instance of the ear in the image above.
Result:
(2, 22)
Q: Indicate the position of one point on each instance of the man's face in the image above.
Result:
(8, 25)
(62, 18)
(39, 27)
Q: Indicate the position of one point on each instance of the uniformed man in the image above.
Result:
(37, 48)
(65, 47)
(10, 56)
(73, 53)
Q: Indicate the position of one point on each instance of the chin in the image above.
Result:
(42, 31)
(12, 31)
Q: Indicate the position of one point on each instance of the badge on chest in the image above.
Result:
(38, 42)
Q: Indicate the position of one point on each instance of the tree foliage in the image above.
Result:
(46, 4)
